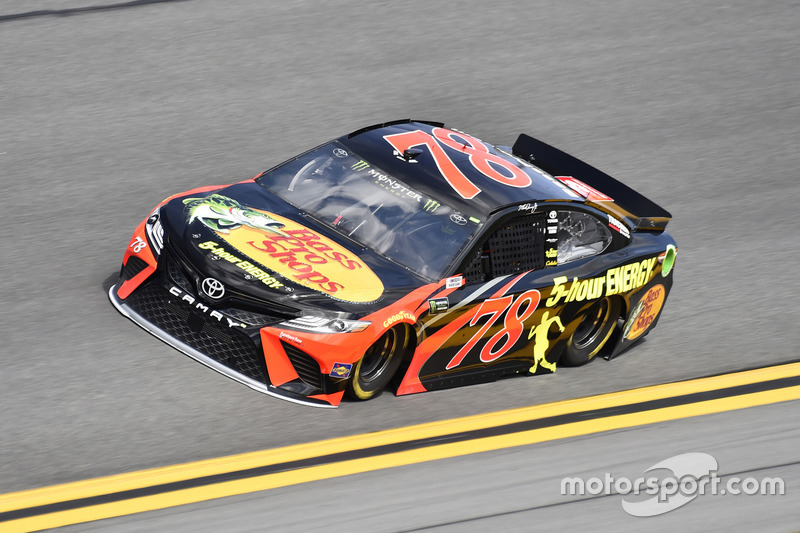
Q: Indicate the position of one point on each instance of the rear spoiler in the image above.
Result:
(642, 213)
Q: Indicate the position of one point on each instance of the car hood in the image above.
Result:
(264, 250)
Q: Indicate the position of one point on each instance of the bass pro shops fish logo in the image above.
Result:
(223, 214)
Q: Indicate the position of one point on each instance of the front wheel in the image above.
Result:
(380, 362)
(592, 333)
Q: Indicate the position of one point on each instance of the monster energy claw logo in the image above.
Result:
(431, 206)
(223, 214)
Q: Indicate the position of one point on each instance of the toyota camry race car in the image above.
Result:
(402, 254)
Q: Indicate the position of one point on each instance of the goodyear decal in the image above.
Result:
(402, 315)
(616, 280)
(288, 248)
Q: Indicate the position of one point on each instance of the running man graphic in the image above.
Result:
(541, 343)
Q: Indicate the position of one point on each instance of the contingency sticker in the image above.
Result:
(341, 370)
(454, 282)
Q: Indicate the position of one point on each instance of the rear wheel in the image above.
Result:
(592, 332)
(381, 360)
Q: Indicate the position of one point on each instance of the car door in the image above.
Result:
(474, 333)
(498, 321)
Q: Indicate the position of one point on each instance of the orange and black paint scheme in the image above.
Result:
(289, 304)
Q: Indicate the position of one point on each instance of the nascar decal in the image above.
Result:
(645, 312)
(288, 248)
(454, 282)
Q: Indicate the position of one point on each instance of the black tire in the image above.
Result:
(593, 331)
(378, 365)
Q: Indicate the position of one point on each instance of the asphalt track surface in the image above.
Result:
(108, 108)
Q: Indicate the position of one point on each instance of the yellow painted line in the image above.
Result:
(158, 476)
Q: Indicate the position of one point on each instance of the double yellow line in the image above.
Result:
(159, 488)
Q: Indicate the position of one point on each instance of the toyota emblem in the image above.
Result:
(458, 219)
(213, 288)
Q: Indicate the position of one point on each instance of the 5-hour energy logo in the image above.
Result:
(616, 280)
(247, 266)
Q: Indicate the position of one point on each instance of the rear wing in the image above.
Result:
(644, 214)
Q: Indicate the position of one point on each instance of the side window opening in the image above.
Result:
(517, 245)
(580, 235)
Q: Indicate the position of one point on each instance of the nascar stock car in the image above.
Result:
(402, 254)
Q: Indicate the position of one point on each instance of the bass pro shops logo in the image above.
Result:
(223, 214)
(284, 247)
(644, 313)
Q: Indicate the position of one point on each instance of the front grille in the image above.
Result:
(228, 346)
(249, 309)
(305, 365)
(518, 245)
(133, 267)
(251, 318)
(177, 274)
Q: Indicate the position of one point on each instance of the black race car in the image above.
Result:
(402, 253)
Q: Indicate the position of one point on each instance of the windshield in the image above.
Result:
(360, 201)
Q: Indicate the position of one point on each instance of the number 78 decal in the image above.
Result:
(518, 311)
(490, 165)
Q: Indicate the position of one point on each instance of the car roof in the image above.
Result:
(423, 174)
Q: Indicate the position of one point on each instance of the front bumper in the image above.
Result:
(231, 353)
